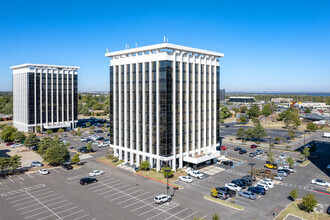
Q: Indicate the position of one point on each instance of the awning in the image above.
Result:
(202, 158)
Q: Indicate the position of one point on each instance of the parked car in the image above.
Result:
(252, 154)
(67, 166)
(262, 186)
(231, 193)
(226, 126)
(291, 169)
(36, 164)
(83, 150)
(9, 143)
(282, 172)
(43, 171)
(257, 190)
(233, 186)
(254, 146)
(239, 183)
(16, 145)
(160, 199)
(186, 179)
(246, 181)
(242, 151)
(268, 180)
(328, 210)
(271, 165)
(87, 180)
(35, 148)
(268, 184)
(259, 151)
(100, 139)
(227, 163)
(248, 195)
(279, 178)
(283, 156)
(237, 148)
(83, 139)
(96, 173)
(253, 178)
(196, 174)
(285, 170)
(320, 182)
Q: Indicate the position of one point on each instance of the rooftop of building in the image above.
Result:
(163, 47)
(30, 65)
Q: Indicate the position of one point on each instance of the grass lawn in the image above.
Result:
(159, 176)
(106, 160)
(224, 202)
(305, 163)
(294, 210)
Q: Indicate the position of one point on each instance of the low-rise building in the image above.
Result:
(242, 100)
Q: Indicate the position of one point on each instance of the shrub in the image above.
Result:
(75, 159)
(49, 132)
(308, 202)
(61, 130)
(168, 174)
(92, 127)
(145, 165)
(294, 194)
(258, 142)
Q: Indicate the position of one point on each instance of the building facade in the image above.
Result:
(242, 100)
(164, 102)
(222, 95)
(45, 96)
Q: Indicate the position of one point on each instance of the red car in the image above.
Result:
(223, 147)
(9, 143)
(254, 146)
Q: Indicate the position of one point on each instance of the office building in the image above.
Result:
(45, 96)
(165, 100)
(242, 100)
(222, 95)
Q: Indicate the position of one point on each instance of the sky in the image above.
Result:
(278, 46)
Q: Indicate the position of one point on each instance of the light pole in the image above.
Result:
(252, 164)
(304, 138)
(269, 143)
(167, 170)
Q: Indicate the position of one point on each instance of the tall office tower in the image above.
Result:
(222, 94)
(164, 103)
(45, 96)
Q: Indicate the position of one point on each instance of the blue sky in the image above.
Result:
(268, 45)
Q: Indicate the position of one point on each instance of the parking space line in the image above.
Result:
(67, 209)
(117, 198)
(137, 202)
(174, 215)
(118, 189)
(145, 204)
(36, 214)
(103, 188)
(53, 199)
(44, 193)
(31, 210)
(26, 207)
(97, 185)
(189, 215)
(29, 175)
(16, 196)
(81, 217)
(19, 199)
(48, 196)
(55, 170)
(131, 198)
(20, 177)
(58, 202)
(61, 206)
(72, 214)
(112, 194)
(10, 179)
(21, 204)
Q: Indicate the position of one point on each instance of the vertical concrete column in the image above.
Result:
(114, 109)
(209, 134)
(131, 113)
(137, 116)
(181, 110)
(174, 111)
(205, 104)
(143, 110)
(150, 112)
(187, 105)
(120, 114)
(194, 105)
(199, 104)
(125, 114)
(157, 114)
(215, 105)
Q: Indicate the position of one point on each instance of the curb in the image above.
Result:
(154, 179)
(224, 204)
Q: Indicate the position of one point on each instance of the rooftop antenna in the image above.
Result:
(127, 46)
(136, 45)
(164, 38)
(167, 40)
(107, 50)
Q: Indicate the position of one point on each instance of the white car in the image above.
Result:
(233, 186)
(268, 180)
(269, 184)
(292, 170)
(196, 174)
(278, 178)
(320, 182)
(162, 198)
(102, 144)
(43, 171)
(16, 145)
(283, 156)
(36, 164)
(265, 186)
(187, 179)
(96, 173)
(83, 139)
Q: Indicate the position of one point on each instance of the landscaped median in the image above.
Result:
(293, 209)
(109, 161)
(159, 177)
(305, 163)
(223, 202)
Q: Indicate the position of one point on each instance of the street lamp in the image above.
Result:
(167, 170)
(269, 143)
(252, 164)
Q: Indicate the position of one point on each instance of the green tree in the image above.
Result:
(294, 194)
(85, 111)
(92, 127)
(277, 139)
(311, 126)
(240, 133)
(249, 133)
(307, 110)
(46, 143)
(290, 161)
(75, 159)
(270, 157)
(88, 124)
(4, 163)
(243, 109)
(215, 217)
(38, 129)
(242, 119)
(309, 202)
(291, 134)
(32, 140)
(61, 130)
(15, 162)
(267, 110)
(253, 112)
(222, 121)
(259, 132)
(168, 174)
(236, 110)
(19, 136)
(225, 113)
(78, 133)
(305, 152)
(313, 147)
(290, 118)
(8, 133)
(89, 147)
(57, 154)
(145, 165)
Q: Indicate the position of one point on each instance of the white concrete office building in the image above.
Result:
(164, 102)
(45, 96)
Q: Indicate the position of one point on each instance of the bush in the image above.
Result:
(145, 165)
(288, 147)
(215, 217)
(92, 127)
(89, 147)
(167, 174)
(49, 132)
(75, 159)
(308, 202)
(294, 194)
(61, 130)
(258, 142)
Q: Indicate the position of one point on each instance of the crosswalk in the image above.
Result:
(235, 172)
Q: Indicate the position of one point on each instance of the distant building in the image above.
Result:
(316, 106)
(45, 96)
(279, 100)
(242, 100)
(222, 95)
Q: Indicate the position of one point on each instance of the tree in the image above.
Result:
(49, 132)
(38, 129)
(61, 130)
(215, 217)
(168, 174)
(19, 136)
(311, 126)
(89, 147)
(253, 112)
(309, 202)
(290, 118)
(222, 121)
(4, 163)
(270, 157)
(225, 113)
(277, 140)
(259, 132)
(242, 119)
(305, 152)
(294, 194)
(145, 165)
(313, 147)
(8, 133)
(249, 133)
(291, 134)
(290, 161)
(32, 140)
(57, 154)
(92, 127)
(75, 159)
(243, 109)
(240, 133)
(88, 124)
(46, 143)
(15, 162)
(307, 110)
(85, 111)
(267, 110)
(79, 133)
(236, 110)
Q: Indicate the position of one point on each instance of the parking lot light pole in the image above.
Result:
(167, 170)
(252, 164)
(269, 143)
(304, 138)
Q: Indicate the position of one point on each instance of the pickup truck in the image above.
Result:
(326, 134)
(196, 174)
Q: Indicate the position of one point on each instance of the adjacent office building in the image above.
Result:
(164, 102)
(45, 96)
(222, 95)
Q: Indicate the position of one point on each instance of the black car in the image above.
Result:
(242, 151)
(83, 150)
(108, 134)
(257, 190)
(100, 138)
(87, 180)
(227, 163)
(237, 148)
(226, 126)
(253, 178)
(230, 192)
(67, 166)
(98, 131)
(252, 154)
(246, 181)
(240, 183)
(35, 148)
(328, 210)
